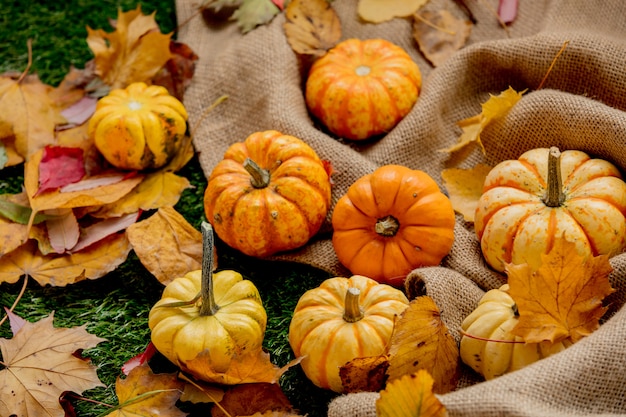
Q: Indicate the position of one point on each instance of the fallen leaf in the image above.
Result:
(79, 112)
(312, 27)
(10, 151)
(177, 73)
(143, 393)
(364, 374)
(12, 235)
(199, 391)
(377, 11)
(562, 298)
(40, 363)
(63, 230)
(60, 166)
(74, 86)
(421, 341)
(61, 270)
(464, 187)
(134, 52)
(249, 399)
(139, 359)
(99, 230)
(410, 396)
(167, 245)
(440, 34)
(495, 108)
(252, 13)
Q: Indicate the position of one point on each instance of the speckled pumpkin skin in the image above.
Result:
(362, 88)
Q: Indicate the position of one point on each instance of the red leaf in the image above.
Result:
(60, 166)
(139, 360)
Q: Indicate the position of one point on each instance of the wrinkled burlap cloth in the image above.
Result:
(581, 106)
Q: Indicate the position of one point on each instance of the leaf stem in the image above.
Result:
(545, 77)
(29, 45)
(17, 299)
(208, 307)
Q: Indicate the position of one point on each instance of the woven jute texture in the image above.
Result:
(582, 105)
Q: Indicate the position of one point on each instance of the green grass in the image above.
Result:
(116, 306)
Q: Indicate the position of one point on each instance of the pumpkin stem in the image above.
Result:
(554, 194)
(260, 178)
(208, 307)
(353, 312)
(387, 226)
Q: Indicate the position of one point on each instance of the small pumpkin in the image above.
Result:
(546, 194)
(340, 320)
(362, 88)
(390, 222)
(221, 314)
(269, 193)
(487, 344)
(138, 127)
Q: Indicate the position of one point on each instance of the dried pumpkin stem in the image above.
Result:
(208, 306)
(387, 226)
(353, 312)
(554, 194)
(259, 177)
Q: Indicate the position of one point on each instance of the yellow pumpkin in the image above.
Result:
(546, 194)
(138, 127)
(228, 317)
(362, 88)
(341, 320)
(487, 344)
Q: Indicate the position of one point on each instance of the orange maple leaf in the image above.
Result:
(562, 298)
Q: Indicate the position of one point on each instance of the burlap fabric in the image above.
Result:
(581, 106)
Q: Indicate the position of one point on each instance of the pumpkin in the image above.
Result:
(268, 194)
(138, 127)
(227, 318)
(362, 88)
(545, 194)
(340, 320)
(487, 344)
(390, 222)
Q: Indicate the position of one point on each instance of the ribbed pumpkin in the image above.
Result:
(390, 222)
(545, 194)
(228, 317)
(362, 88)
(489, 347)
(268, 194)
(341, 320)
(138, 127)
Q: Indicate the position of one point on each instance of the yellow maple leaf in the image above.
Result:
(377, 11)
(464, 187)
(312, 27)
(421, 340)
(410, 396)
(134, 52)
(495, 108)
(562, 298)
(39, 365)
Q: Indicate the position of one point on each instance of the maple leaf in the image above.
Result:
(249, 399)
(312, 27)
(377, 11)
(440, 34)
(59, 270)
(167, 245)
(252, 13)
(464, 187)
(421, 341)
(495, 108)
(364, 374)
(410, 396)
(134, 52)
(562, 298)
(40, 364)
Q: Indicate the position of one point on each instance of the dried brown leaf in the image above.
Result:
(440, 34)
(312, 27)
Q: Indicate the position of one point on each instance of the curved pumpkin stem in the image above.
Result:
(352, 312)
(208, 306)
(554, 194)
(260, 178)
(387, 226)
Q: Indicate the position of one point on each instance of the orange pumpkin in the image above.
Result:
(270, 193)
(390, 222)
(528, 202)
(362, 88)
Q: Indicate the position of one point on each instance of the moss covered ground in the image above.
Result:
(116, 306)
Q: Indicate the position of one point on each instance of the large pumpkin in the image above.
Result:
(227, 319)
(341, 320)
(545, 194)
(489, 347)
(270, 193)
(138, 127)
(390, 222)
(362, 88)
